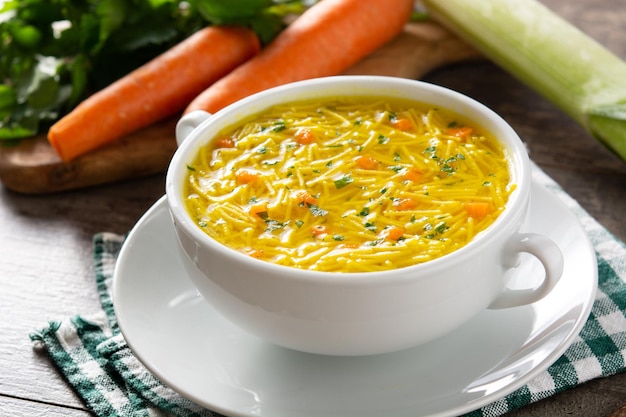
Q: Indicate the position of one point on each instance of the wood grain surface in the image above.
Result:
(33, 167)
(620, 412)
(46, 268)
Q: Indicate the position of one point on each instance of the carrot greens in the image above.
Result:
(53, 54)
(265, 17)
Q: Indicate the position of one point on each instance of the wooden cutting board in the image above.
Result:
(33, 167)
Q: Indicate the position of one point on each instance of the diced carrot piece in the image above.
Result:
(392, 233)
(319, 230)
(402, 124)
(304, 136)
(225, 142)
(255, 253)
(366, 162)
(348, 246)
(405, 204)
(257, 209)
(477, 209)
(460, 132)
(305, 197)
(328, 38)
(244, 176)
(412, 174)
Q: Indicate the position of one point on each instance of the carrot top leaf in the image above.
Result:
(220, 12)
(265, 17)
(53, 54)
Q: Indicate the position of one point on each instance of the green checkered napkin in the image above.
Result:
(94, 358)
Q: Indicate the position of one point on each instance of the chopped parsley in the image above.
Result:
(316, 210)
(441, 227)
(432, 150)
(371, 226)
(274, 225)
(278, 126)
(343, 181)
(447, 168)
(436, 230)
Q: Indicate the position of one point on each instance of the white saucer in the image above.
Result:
(193, 350)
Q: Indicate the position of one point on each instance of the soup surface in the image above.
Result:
(349, 185)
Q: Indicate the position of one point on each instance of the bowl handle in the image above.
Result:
(547, 252)
(188, 123)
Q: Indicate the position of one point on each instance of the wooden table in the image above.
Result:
(45, 241)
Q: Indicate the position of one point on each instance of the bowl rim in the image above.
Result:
(519, 166)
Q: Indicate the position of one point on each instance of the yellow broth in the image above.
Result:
(349, 184)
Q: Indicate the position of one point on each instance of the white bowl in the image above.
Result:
(360, 313)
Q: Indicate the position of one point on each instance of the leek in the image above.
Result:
(549, 55)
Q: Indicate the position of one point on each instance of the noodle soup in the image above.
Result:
(382, 223)
(357, 184)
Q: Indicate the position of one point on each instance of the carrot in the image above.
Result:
(225, 142)
(402, 124)
(477, 209)
(325, 40)
(319, 231)
(255, 253)
(405, 204)
(413, 175)
(304, 197)
(304, 136)
(348, 246)
(366, 162)
(392, 233)
(460, 132)
(257, 209)
(244, 176)
(154, 91)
